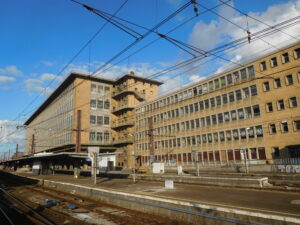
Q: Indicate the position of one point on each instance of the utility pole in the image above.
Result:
(33, 144)
(151, 139)
(78, 132)
(17, 149)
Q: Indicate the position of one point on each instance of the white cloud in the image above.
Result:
(170, 84)
(11, 132)
(39, 84)
(195, 78)
(207, 36)
(6, 79)
(48, 63)
(11, 70)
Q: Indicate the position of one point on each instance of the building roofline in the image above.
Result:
(70, 78)
(229, 70)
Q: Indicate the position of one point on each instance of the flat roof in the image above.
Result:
(71, 77)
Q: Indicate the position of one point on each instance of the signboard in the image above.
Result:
(92, 151)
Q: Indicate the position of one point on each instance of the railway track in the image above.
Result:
(87, 211)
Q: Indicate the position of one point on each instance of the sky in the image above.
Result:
(39, 38)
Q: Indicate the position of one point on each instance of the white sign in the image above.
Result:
(92, 150)
(169, 184)
(158, 168)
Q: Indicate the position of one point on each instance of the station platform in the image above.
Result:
(279, 204)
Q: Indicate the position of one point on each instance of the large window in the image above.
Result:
(272, 128)
(243, 74)
(231, 96)
(280, 104)
(241, 114)
(99, 104)
(285, 57)
(284, 126)
(277, 83)
(251, 72)
(259, 131)
(99, 120)
(92, 136)
(93, 103)
(256, 110)
(289, 79)
(293, 102)
(233, 115)
(106, 120)
(92, 119)
(253, 90)
(218, 100)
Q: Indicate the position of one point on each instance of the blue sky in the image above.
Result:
(39, 37)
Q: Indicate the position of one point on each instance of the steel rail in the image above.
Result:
(41, 217)
(6, 217)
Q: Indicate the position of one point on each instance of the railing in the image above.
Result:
(122, 124)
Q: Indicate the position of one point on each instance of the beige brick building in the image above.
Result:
(251, 109)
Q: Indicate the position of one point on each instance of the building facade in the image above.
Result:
(106, 117)
(249, 111)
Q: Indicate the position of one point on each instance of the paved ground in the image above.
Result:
(265, 201)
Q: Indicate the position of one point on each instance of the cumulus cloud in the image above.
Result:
(170, 84)
(209, 35)
(6, 79)
(48, 63)
(195, 78)
(10, 70)
(11, 132)
(39, 84)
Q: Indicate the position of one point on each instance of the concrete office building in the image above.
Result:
(251, 109)
(106, 120)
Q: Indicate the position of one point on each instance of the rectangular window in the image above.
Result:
(233, 115)
(253, 90)
(269, 107)
(211, 85)
(297, 53)
(217, 83)
(216, 137)
(235, 133)
(243, 133)
(277, 83)
(285, 57)
(236, 76)
(99, 120)
(272, 128)
(296, 125)
(248, 112)
(209, 138)
(218, 100)
(191, 108)
(93, 103)
(229, 79)
(92, 119)
(274, 62)
(92, 136)
(280, 104)
(223, 81)
(226, 117)
(197, 121)
(243, 74)
(246, 92)
(225, 98)
(220, 118)
(228, 135)
(204, 88)
(203, 138)
(231, 96)
(293, 102)
(212, 102)
(196, 107)
(192, 124)
(241, 114)
(251, 132)
(266, 86)
(284, 126)
(99, 104)
(106, 104)
(201, 105)
(238, 95)
(208, 121)
(186, 109)
(222, 136)
(93, 88)
(99, 137)
(100, 89)
(289, 79)
(256, 110)
(259, 131)
(214, 119)
(251, 72)
(206, 103)
(106, 120)
(263, 66)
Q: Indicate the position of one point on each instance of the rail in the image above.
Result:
(38, 216)
(6, 217)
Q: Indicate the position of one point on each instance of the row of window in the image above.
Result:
(289, 80)
(100, 89)
(99, 104)
(285, 58)
(206, 156)
(99, 120)
(217, 83)
(281, 104)
(99, 137)
(204, 104)
(284, 126)
(220, 118)
(228, 135)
